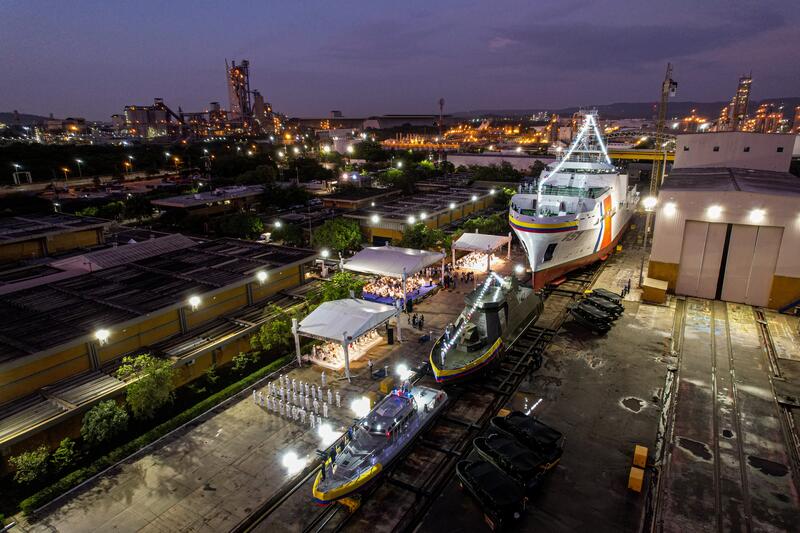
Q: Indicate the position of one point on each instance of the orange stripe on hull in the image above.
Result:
(606, 222)
(543, 277)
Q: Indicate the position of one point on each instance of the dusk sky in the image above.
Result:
(90, 58)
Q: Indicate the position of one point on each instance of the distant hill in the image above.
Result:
(25, 119)
(638, 109)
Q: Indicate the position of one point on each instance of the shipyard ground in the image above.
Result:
(727, 463)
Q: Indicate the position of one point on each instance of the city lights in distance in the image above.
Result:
(757, 216)
(715, 211)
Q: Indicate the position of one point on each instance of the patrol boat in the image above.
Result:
(577, 211)
(377, 440)
(495, 312)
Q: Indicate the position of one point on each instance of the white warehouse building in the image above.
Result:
(729, 233)
(736, 149)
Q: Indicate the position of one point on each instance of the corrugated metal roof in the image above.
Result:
(120, 255)
(732, 179)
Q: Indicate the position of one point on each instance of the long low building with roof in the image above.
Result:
(66, 329)
(31, 237)
(385, 222)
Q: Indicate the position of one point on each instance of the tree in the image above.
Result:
(64, 455)
(138, 207)
(103, 422)
(242, 360)
(275, 335)
(307, 169)
(370, 151)
(30, 466)
(239, 225)
(496, 224)
(421, 237)
(280, 196)
(502, 172)
(152, 384)
(340, 285)
(339, 234)
(290, 234)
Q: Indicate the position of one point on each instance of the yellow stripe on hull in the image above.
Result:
(444, 374)
(535, 225)
(347, 488)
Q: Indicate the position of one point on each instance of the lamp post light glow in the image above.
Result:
(715, 211)
(292, 463)
(411, 219)
(360, 407)
(194, 302)
(403, 372)
(102, 335)
(519, 269)
(474, 197)
(261, 276)
(757, 216)
(277, 224)
(375, 219)
(423, 215)
(350, 149)
(399, 164)
(649, 203)
(325, 253)
(452, 205)
(80, 171)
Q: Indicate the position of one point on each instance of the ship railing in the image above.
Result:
(580, 192)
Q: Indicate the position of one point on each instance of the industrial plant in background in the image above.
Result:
(248, 114)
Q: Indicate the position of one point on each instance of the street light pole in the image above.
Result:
(80, 172)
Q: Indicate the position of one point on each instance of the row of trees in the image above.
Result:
(502, 172)
(150, 387)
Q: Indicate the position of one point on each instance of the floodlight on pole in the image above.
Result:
(102, 335)
(261, 276)
(194, 302)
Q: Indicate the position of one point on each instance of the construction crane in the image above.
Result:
(668, 89)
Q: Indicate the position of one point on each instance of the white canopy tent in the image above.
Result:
(394, 262)
(480, 242)
(342, 321)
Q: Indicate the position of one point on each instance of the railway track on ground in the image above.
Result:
(403, 495)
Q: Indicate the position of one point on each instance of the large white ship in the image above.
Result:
(577, 211)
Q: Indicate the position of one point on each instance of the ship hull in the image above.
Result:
(468, 371)
(541, 278)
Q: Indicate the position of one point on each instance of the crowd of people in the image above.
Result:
(476, 261)
(386, 287)
(298, 401)
(331, 354)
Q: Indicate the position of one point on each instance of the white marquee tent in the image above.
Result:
(480, 242)
(392, 261)
(342, 321)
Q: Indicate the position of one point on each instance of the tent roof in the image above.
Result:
(391, 260)
(479, 242)
(331, 319)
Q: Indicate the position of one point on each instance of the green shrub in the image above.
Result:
(103, 422)
(30, 466)
(64, 455)
(152, 387)
(37, 500)
(242, 360)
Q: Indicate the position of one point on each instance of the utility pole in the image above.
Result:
(668, 88)
(441, 134)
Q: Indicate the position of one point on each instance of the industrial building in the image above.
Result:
(385, 223)
(735, 149)
(218, 201)
(67, 325)
(23, 238)
(729, 233)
